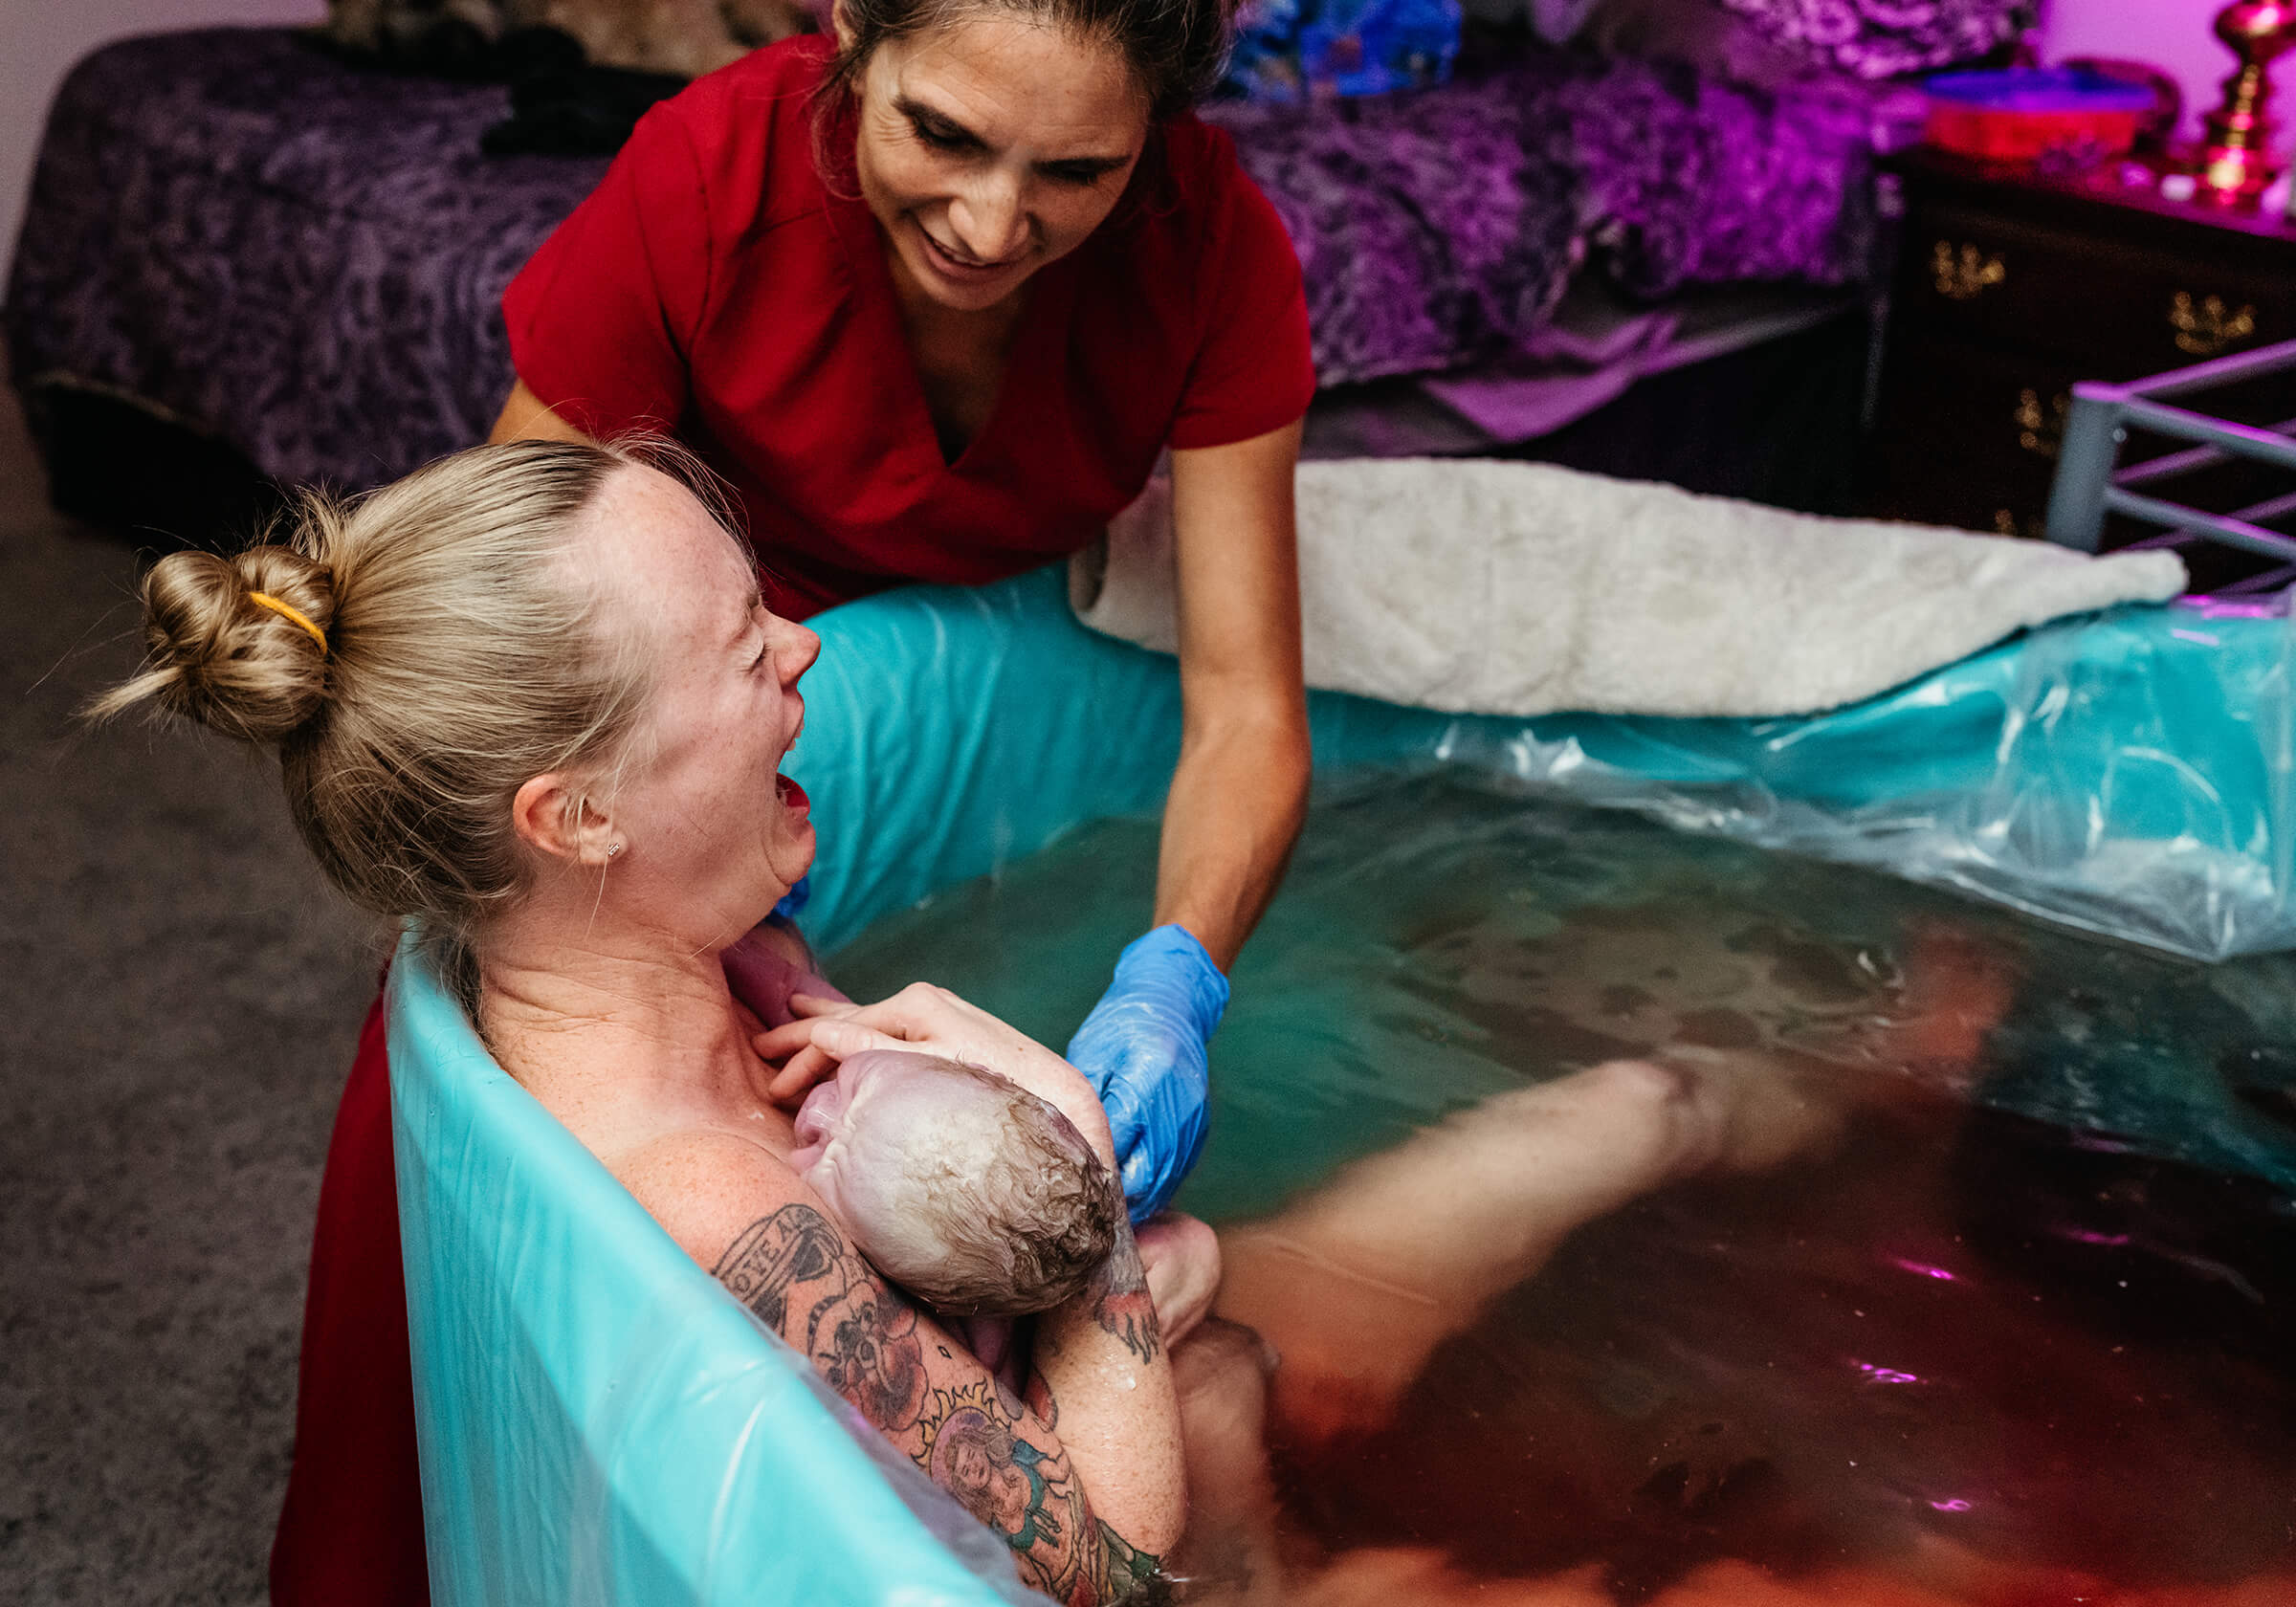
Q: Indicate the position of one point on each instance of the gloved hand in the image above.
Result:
(793, 902)
(1143, 1048)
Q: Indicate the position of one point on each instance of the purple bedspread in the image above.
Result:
(1879, 39)
(301, 258)
(305, 258)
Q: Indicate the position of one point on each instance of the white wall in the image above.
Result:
(39, 41)
(2172, 35)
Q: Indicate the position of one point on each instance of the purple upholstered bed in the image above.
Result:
(301, 258)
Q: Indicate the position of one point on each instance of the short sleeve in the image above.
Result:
(1252, 371)
(601, 319)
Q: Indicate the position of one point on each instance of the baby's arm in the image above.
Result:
(770, 963)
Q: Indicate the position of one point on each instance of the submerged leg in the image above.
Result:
(1356, 1285)
(1233, 1552)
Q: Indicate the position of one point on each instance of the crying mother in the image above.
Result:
(531, 697)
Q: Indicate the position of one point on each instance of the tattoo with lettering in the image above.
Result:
(798, 1273)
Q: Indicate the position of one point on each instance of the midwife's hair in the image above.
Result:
(1177, 49)
(462, 655)
(1024, 1231)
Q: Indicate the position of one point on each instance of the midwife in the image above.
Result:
(932, 296)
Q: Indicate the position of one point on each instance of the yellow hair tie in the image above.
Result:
(288, 611)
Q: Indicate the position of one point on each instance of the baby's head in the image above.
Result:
(963, 1188)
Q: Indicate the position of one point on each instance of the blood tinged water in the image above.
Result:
(2020, 1334)
(1927, 1345)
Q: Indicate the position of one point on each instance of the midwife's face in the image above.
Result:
(713, 834)
(991, 146)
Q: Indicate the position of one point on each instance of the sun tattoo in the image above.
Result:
(970, 1450)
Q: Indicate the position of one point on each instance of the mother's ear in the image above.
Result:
(557, 819)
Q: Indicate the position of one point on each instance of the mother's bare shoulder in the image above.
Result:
(706, 1185)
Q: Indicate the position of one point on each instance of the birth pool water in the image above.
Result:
(2029, 1309)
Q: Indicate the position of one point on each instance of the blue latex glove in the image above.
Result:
(1145, 1050)
(793, 902)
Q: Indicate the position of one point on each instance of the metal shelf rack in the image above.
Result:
(2090, 483)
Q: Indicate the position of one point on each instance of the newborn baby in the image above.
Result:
(965, 1190)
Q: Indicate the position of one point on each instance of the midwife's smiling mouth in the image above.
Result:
(962, 264)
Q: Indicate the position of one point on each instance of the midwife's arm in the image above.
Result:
(1082, 1478)
(1240, 786)
(525, 417)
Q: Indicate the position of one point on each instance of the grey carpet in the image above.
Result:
(179, 995)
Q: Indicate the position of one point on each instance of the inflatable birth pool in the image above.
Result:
(601, 1422)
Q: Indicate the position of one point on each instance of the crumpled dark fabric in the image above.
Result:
(563, 106)
(305, 259)
(560, 105)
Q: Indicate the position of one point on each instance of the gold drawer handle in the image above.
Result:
(2206, 329)
(2040, 429)
(1964, 274)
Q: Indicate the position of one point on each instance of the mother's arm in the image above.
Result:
(1082, 1478)
(1241, 787)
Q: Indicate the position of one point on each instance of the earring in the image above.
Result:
(613, 850)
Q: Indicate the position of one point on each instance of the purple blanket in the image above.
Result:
(1878, 38)
(304, 260)
(301, 258)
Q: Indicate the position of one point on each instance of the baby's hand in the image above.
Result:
(935, 1020)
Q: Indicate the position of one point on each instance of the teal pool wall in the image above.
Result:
(2128, 774)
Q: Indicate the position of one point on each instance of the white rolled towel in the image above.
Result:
(1520, 588)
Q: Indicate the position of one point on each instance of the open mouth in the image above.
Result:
(956, 263)
(792, 795)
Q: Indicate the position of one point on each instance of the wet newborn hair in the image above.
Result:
(970, 1192)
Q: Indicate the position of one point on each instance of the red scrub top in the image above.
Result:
(352, 1531)
(714, 286)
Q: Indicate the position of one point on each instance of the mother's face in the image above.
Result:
(990, 146)
(713, 834)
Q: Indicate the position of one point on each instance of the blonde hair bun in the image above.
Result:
(465, 651)
(217, 655)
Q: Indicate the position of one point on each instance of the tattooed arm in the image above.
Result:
(1088, 1509)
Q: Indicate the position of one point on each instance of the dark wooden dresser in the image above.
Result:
(2009, 288)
